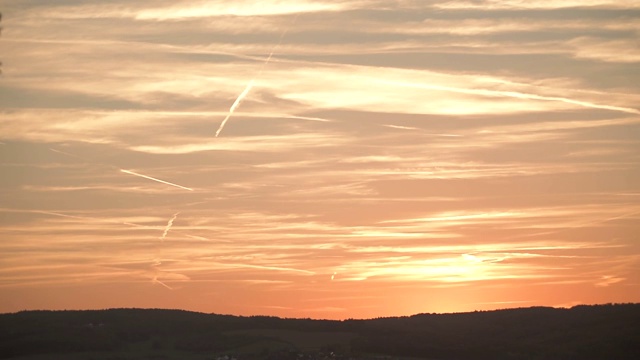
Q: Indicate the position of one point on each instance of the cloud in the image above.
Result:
(239, 8)
(253, 143)
(624, 50)
(517, 4)
(608, 280)
(517, 95)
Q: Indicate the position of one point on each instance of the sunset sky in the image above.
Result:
(378, 158)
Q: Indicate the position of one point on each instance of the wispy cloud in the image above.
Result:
(516, 4)
(516, 95)
(239, 8)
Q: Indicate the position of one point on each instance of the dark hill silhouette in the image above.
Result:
(582, 332)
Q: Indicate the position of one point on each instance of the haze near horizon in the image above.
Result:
(323, 159)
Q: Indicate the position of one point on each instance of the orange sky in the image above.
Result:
(372, 157)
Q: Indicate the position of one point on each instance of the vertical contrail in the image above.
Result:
(168, 227)
(246, 90)
(234, 106)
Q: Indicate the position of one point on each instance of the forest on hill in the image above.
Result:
(583, 332)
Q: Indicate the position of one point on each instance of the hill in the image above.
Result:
(582, 332)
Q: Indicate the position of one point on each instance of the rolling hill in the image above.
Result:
(582, 332)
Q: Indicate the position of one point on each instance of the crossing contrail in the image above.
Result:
(168, 227)
(154, 179)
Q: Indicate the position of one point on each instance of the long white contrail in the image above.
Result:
(235, 105)
(154, 179)
(168, 227)
(250, 84)
(512, 94)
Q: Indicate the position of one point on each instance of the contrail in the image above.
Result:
(513, 94)
(275, 268)
(104, 220)
(250, 84)
(235, 105)
(154, 179)
(168, 227)
(68, 154)
(156, 281)
(121, 170)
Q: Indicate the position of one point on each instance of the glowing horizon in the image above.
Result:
(378, 158)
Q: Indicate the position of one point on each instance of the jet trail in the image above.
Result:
(154, 179)
(68, 154)
(102, 220)
(168, 227)
(156, 281)
(121, 170)
(512, 94)
(250, 84)
(235, 105)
